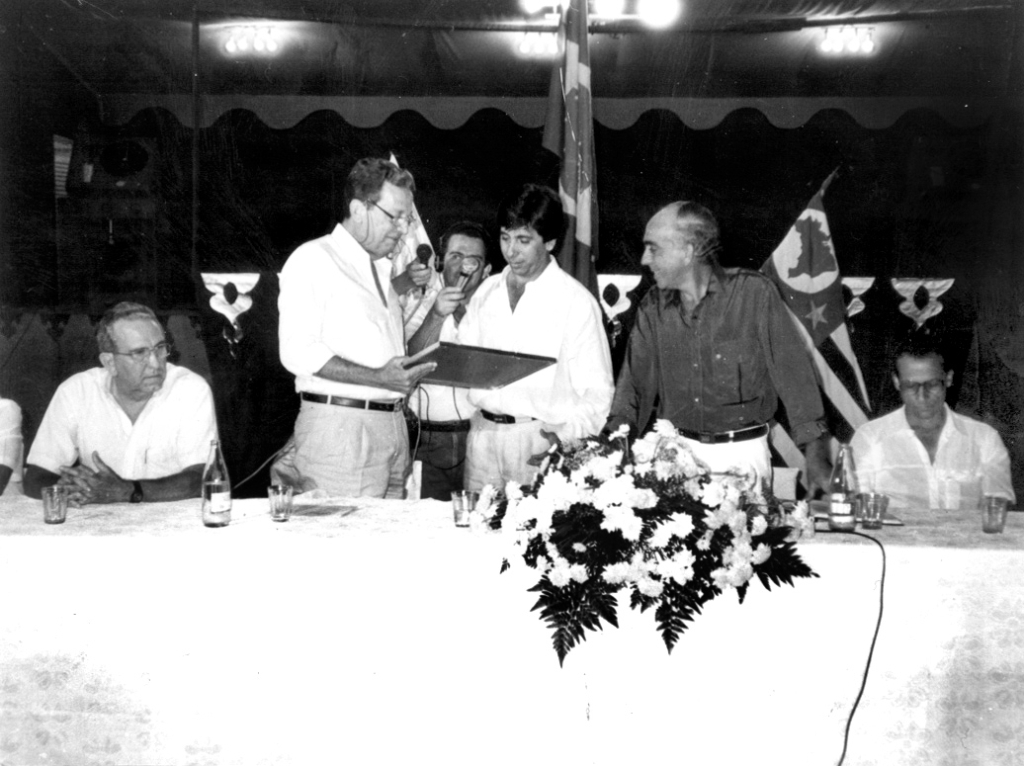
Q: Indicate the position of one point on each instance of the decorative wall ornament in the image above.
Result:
(231, 299)
(921, 297)
(613, 291)
(54, 324)
(858, 286)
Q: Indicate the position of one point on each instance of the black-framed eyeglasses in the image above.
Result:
(141, 355)
(406, 220)
(929, 387)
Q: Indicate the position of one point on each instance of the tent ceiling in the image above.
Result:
(449, 58)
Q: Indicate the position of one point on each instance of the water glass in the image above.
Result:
(463, 504)
(993, 513)
(55, 504)
(872, 509)
(280, 496)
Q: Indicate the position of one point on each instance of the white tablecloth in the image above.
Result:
(381, 634)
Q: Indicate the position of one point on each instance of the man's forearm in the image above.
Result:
(179, 486)
(428, 333)
(343, 371)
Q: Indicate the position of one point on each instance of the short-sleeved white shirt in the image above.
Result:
(172, 432)
(10, 440)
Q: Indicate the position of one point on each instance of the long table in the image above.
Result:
(374, 632)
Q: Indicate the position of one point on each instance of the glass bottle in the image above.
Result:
(842, 491)
(216, 489)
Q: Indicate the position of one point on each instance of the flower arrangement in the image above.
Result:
(602, 516)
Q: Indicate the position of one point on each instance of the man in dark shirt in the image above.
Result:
(713, 350)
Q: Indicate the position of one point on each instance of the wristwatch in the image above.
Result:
(136, 493)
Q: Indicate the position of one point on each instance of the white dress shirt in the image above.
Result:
(173, 431)
(443, 403)
(555, 317)
(970, 461)
(10, 441)
(330, 306)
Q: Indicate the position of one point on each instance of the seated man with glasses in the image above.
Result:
(924, 455)
(136, 429)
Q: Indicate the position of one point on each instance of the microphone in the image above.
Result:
(468, 270)
(423, 253)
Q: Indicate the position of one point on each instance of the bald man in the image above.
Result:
(713, 351)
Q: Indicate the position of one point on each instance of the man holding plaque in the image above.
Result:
(713, 351)
(444, 412)
(341, 335)
(532, 307)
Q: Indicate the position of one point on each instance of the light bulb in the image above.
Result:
(658, 13)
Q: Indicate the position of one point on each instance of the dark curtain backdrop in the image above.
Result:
(918, 199)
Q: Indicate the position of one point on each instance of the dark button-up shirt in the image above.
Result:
(721, 368)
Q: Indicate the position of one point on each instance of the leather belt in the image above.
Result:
(444, 426)
(506, 420)
(742, 435)
(359, 404)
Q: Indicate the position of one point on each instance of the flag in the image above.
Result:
(569, 133)
(805, 268)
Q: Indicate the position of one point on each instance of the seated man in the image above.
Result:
(532, 307)
(10, 447)
(924, 455)
(136, 429)
(444, 411)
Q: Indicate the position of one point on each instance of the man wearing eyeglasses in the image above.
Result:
(924, 455)
(341, 335)
(136, 429)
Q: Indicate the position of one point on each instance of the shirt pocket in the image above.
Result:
(739, 377)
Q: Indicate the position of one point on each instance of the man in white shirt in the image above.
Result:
(444, 412)
(534, 307)
(924, 455)
(136, 429)
(341, 336)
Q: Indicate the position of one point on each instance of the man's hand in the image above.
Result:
(818, 466)
(397, 377)
(99, 486)
(449, 299)
(540, 457)
(419, 273)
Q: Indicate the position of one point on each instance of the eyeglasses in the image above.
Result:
(405, 220)
(141, 355)
(929, 387)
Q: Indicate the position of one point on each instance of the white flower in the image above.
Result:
(704, 543)
(624, 520)
(759, 525)
(513, 491)
(679, 526)
(556, 492)
(622, 432)
(579, 547)
(664, 427)
(761, 554)
(485, 502)
(678, 568)
(649, 587)
(616, 573)
(578, 572)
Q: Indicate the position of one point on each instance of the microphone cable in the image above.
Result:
(871, 651)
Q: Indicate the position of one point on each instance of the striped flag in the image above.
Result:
(569, 133)
(805, 268)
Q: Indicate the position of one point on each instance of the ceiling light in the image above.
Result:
(658, 13)
(848, 39)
